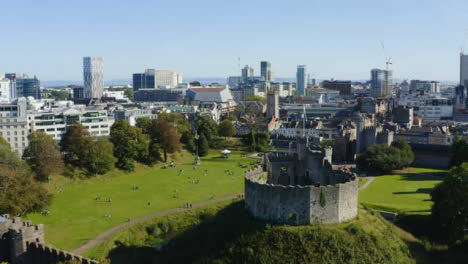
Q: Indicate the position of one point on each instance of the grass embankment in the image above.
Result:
(76, 216)
(228, 234)
(404, 193)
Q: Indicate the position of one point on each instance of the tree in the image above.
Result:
(207, 126)
(164, 134)
(87, 152)
(406, 153)
(145, 124)
(179, 121)
(188, 140)
(380, 159)
(99, 158)
(43, 155)
(74, 143)
(203, 146)
(226, 129)
(330, 143)
(256, 98)
(129, 144)
(19, 192)
(459, 151)
(251, 115)
(59, 95)
(450, 208)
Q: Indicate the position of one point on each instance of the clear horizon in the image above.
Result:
(336, 39)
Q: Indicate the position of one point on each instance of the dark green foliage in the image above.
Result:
(406, 153)
(257, 141)
(129, 144)
(74, 143)
(43, 155)
(179, 121)
(203, 146)
(226, 129)
(207, 126)
(164, 134)
(459, 151)
(323, 200)
(59, 95)
(450, 208)
(86, 152)
(99, 157)
(145, 124)
(383, 159)
(19, 192)
(188, 140)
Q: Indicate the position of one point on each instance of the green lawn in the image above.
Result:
(408, 193)
(76, 217)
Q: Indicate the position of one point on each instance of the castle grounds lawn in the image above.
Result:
(79, 207)
(404, 193)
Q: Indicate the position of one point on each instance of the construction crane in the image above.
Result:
(388, 62)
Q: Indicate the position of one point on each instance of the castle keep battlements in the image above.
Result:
(23, 243)
(300, 191)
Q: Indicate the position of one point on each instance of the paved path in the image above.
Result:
(369, 181)
(106, 235)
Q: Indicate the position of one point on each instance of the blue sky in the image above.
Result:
(204, 38)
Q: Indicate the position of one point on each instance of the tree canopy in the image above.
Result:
(43, 155)
(129, 144)
(164, 134)
(459, 151)
(450, 208)
(207, 126)
(381, 158)
(19, 192)
(226, 129)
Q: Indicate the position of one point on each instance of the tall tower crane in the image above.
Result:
(388, 63)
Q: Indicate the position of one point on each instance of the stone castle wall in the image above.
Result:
(23, 243)
(300, 205)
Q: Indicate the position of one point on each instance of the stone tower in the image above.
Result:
(272, 104)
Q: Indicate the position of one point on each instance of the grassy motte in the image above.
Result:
(228, 234)
(79, 207)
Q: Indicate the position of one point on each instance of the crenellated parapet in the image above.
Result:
(23, 242)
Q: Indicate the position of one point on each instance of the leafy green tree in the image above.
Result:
(459, 151)
(87, 152)
(406, 153)
(43, 155)
(262, 140)
(74, 143)
(19, 192)
(145, 124)
(450, 208)
(163, 133)
(99, 157)
(128, 142)
(203, 146)
(179, 121)
(256, 98)
(188, 140)
(380, 159)
(59, 95)
(207, 126)
(226, 129)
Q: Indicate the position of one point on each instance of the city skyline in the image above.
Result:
(342, 40)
